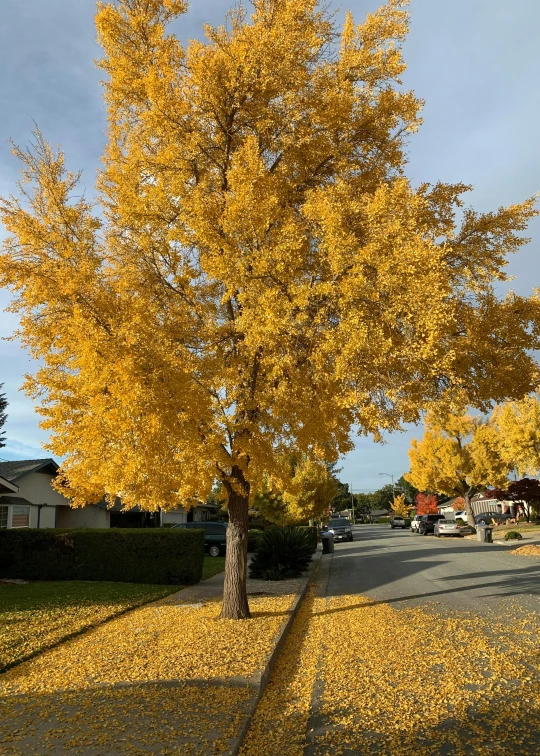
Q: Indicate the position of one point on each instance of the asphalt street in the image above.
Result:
(404, 569)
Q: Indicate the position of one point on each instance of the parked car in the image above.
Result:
(397, 522)
(215, 535)
(415, 522)
(341, 528)
(427, 523)
(446, 528)
(486, 518)
(462, 516)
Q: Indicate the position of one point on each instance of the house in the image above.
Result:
(28, 500)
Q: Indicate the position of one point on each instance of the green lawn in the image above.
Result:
(38, 615)
(212, 565)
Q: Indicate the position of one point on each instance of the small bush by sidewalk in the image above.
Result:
(157, 556)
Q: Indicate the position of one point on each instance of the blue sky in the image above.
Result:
(475, 62)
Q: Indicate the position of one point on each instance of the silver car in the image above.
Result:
(447, 528)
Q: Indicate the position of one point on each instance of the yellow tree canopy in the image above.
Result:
(248, 281)
(400, 507)
(308, 495)
(518, 428)
(458, 455)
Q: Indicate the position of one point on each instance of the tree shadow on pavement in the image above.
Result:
(167, 717)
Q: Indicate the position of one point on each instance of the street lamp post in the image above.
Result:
(352, 507)
(393, 488)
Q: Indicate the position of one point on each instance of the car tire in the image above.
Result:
(214, 551)
(424, 532)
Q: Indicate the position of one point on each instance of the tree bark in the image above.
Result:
(235, 601)
(468, 507)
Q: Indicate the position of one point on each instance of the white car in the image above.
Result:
(415, 522)
(462, 516)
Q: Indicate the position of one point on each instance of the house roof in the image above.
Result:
(17, 469)
(7, 487)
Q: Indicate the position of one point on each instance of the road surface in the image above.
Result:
(405, 569)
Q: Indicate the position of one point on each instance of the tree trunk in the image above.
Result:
(468, 508)
(235, 601)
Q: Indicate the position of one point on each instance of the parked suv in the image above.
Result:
(397, 522)
(427, 523)
(415, 522)
(215, 535)
(341, 528)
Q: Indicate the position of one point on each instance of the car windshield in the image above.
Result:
(338, 523)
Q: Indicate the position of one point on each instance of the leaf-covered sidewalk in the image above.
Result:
(168, 678)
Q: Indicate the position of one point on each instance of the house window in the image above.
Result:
(3, 517)
(20, 517)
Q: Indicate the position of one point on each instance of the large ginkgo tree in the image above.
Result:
(257, 274)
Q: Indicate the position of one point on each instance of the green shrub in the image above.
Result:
(160, 556)
(383, 519)
(254, 539)
(312, 531)
(513, 535)
(283, 553)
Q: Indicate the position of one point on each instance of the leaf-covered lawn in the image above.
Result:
(37, 615)
(157, 680)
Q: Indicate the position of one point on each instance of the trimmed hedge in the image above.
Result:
(312, 530)
(159, 556)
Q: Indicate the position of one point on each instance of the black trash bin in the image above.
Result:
(327, 543)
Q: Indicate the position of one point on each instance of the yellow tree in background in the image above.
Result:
(458, 455)
(247, 284)
(400, 507)
(518, 428)
(307, 496)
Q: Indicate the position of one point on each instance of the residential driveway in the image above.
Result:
(404, 569)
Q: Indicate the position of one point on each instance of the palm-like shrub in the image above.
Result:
(254, 539)
(282, 553)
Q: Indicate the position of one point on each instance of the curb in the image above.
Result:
(260, 679)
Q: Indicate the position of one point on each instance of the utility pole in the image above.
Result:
(352, 507)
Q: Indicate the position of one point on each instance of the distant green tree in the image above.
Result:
(384, 497)
(407, 489)
(342, 500)
(364, 505)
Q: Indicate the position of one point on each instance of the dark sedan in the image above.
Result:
(487, 518)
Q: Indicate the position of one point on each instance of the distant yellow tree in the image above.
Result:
(307, 497)
(458, 456)
(518, 428)
(248, 282)
(400, 506)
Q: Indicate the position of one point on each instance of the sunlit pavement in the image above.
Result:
(406, 569)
